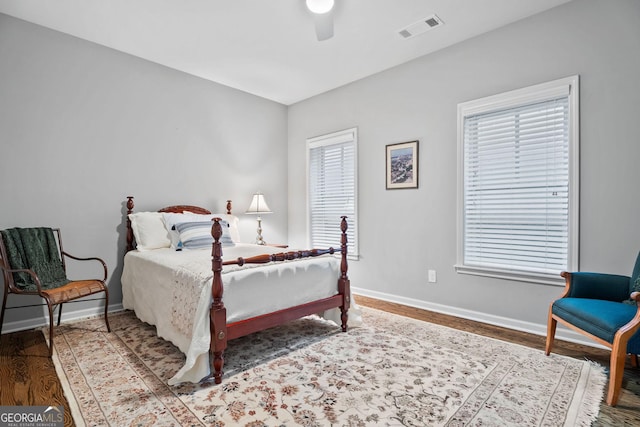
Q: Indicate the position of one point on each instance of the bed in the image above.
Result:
(174, 277)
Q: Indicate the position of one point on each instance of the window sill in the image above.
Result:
(538, 278)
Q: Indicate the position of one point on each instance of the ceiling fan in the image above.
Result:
(322, 11)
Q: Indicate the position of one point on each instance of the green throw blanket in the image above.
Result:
(34, 249)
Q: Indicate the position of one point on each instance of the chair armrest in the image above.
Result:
(10, 271)
(610, 287)
(104, 265)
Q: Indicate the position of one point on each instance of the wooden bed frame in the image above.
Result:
(221, 331)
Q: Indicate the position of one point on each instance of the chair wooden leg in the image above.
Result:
(551, 332)
(616, 372)
(634, 360)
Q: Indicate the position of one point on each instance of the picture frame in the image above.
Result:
(402, 165)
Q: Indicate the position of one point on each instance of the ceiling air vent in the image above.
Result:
(420, 27)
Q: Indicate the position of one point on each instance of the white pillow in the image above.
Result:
(149, 231)
(170, 220)
(229, 226)
(197, 235)
(232, 220)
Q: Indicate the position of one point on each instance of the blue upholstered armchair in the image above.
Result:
(606, 308)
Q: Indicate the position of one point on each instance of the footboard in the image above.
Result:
(221, 332)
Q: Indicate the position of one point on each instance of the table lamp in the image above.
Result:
(258, 207)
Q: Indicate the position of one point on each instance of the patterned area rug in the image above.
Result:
(392, 371)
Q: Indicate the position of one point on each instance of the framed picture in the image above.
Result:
(402, 165)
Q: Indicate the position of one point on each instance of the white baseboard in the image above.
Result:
(518, 325)
(562, 333)
(67, 316)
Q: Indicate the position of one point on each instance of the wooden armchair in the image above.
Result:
(605, 308)
(32, 261)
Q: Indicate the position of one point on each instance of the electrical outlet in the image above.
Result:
(432, 276)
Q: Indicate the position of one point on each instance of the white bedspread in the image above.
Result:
(172, 290)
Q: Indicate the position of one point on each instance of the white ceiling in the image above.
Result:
(269, 47)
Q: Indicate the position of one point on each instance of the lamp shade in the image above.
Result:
(320, 6)
(258, 205)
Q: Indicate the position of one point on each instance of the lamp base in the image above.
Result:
(259, 239)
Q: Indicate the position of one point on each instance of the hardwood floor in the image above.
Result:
(27, 374)
(28, 377)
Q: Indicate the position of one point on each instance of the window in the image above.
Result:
(518, 183)
(332, 167)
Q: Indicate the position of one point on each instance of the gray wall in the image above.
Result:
(83, 126)
(403, 233)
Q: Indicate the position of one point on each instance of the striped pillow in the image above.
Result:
(197, 235)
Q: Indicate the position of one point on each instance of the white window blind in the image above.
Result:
(332, 161)
(517, 206)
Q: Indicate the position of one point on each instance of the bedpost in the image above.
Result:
(129, 230)
(344, 286)
(228, 207)
(217, 313)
